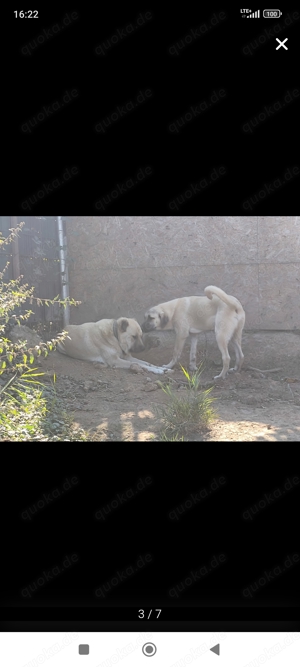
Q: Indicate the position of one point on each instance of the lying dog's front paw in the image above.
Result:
(136, 368)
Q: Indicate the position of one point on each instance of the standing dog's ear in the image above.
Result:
(163, 320)
(124, 324)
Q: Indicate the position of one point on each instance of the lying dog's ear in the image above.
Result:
(124, 324)
(163, 320)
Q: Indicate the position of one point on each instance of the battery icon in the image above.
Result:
(272, 13)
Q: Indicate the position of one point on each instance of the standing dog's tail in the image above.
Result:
(229, 300)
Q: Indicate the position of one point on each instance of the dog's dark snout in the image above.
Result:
(138, 346)
(147, 326)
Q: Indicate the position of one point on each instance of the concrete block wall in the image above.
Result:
(121, 265)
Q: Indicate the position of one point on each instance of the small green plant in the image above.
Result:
(188, 414)
(32, 413)
(28, 410)
(171, 438)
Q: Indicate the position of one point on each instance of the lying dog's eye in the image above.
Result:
(134, 337)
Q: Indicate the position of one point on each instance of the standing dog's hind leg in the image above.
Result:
(223, 347)
(239, 357)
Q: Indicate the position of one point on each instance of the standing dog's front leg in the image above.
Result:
(193, 352)
(179, 345)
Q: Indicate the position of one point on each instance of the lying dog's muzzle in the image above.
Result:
(138, 346)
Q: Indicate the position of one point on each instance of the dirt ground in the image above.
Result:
(116, 404)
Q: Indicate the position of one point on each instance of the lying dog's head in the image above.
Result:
(129, 335)
(155, 318)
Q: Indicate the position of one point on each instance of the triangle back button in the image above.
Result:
(216, 649)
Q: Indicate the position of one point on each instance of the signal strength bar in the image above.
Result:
(254, 15)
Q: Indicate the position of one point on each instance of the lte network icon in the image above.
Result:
(249, 14)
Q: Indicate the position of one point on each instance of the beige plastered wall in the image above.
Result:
(122, 265)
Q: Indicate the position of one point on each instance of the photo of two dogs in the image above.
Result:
(111, 342)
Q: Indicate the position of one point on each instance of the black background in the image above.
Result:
(44, 533)
(181, 68)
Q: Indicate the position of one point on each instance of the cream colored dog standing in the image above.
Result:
(191, 315)
(107, 341)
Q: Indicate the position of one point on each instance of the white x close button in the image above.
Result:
(281, 44)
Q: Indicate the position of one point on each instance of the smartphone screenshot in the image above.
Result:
(150, 337)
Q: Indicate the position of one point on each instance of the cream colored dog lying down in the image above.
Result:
(108, 342)
(192, 314)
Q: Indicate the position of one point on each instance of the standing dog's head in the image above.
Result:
(129, 335)
(155, 318)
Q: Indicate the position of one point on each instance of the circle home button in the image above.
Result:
(149, 649)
